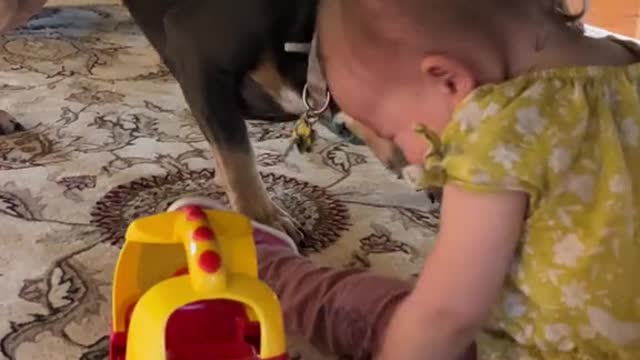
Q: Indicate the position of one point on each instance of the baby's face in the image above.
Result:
(387, 96)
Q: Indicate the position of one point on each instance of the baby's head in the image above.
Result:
(394, 64)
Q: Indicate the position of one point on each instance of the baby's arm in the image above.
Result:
(341, 311)
(461, 279)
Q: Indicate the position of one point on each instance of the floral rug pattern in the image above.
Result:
(108, 139)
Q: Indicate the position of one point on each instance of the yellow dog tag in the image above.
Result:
(303, 136)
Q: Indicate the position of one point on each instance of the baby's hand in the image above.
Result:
(14, 13)
(8, 10)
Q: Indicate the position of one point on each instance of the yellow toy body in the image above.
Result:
(173, 260)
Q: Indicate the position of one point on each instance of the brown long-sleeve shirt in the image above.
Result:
(341, 311)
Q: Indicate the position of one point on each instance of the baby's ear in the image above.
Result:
(451, 76)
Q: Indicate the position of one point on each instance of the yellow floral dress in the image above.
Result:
(570, 138)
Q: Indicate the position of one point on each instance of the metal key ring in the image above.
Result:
(310, 110)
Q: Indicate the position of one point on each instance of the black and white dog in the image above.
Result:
(231, 61)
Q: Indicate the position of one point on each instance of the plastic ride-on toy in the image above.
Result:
(186, 287)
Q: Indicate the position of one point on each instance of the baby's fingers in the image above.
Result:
(8, 11)
(14, 13)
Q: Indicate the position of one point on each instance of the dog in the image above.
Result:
(14, 13)
(231, 61)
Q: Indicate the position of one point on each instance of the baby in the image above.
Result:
(534, 134)
(533, 131)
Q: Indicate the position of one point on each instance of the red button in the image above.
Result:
(202, 233)
(209, 261)
(194, 213)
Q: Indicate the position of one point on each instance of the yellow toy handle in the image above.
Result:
(220, 255)
(206, 268)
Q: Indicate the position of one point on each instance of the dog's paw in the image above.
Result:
(218, 180)
(262, 209)
(284, 222)
(435, 195)
(384, 149)
(8, 124)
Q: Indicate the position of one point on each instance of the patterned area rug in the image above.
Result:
(109, 139)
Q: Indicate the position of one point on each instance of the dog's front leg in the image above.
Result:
(15, 13)
(236, 170)
(213, 46)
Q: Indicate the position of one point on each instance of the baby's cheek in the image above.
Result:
(413, 145)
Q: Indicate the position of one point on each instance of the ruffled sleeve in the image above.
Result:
(497, 141)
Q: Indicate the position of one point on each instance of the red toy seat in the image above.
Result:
(213, 352)
(211, 330)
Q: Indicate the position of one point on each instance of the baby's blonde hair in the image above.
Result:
(442, 14)
(413, 27)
